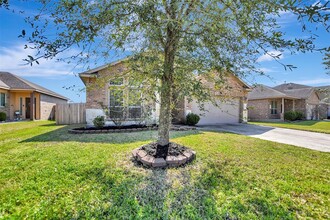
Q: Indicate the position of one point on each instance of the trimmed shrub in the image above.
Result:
(99, 122)
(290, 116)
(299, 115)
(293, 115)
(192, 119)
(3, 116)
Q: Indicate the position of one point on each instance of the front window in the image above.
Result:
(2, 99)
(116, 103)
(134, 105)
(273, 107)
(124, 102)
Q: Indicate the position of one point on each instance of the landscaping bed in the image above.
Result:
(124, 129)
(175, 155)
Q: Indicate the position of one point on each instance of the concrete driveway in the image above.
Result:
(306, 139)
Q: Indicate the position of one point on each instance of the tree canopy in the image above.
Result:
(172, 41)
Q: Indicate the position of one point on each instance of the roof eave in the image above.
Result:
(274, 97)
(102, 67)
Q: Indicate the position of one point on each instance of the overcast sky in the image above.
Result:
(59, 76)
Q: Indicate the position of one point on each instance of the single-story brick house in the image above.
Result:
(266, 103)
(232, 109)
(16, 95)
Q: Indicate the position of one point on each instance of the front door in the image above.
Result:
(27, 108)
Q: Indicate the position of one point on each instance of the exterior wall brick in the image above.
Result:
(288, 105)
(97, 89)
(300, 106)
(47, 106)
(260, 109)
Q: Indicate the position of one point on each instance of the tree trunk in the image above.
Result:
(165, 102)
(164, 119)
(170, 47)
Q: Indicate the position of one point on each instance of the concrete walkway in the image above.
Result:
(306, 139)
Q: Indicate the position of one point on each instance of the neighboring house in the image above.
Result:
(266, 103)
(324, 94)
(231, 105)
(21, 99)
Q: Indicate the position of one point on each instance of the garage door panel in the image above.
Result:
(227, 112)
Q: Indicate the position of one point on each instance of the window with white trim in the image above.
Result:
(2, 99)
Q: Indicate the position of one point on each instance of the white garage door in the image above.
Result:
(227, 112)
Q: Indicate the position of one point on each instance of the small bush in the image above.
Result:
(99, 122)
(299, 115)
(192, 119)
(290, 116)
(293, 115)
(3, 116)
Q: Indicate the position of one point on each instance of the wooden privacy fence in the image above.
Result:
(70, 113)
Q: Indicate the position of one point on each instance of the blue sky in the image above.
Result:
(58, 76)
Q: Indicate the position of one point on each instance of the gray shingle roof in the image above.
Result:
(265, 92)
(295, 90)
(15, 82)
(286, 90)
(289, 86)
(303, 93)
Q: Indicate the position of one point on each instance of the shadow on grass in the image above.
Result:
(153, 196)
(61, 135)
(238, 128)
(162, 194)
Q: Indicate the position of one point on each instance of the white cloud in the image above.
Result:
(11, 60)
(267, 70)
(268, 56)
(314, 81)
(283, 17)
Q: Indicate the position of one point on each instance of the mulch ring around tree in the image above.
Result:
(125, 129)
(176, 155)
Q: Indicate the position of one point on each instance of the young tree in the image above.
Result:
(173, 41)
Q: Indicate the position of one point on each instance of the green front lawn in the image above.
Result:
(316, 126)
(46, 173)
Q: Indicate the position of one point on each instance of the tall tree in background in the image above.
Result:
(172, 41)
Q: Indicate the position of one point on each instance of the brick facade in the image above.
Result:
(260, 109)
(97, 89)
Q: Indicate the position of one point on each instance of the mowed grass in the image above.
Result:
(315, 126)
(46, 173)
